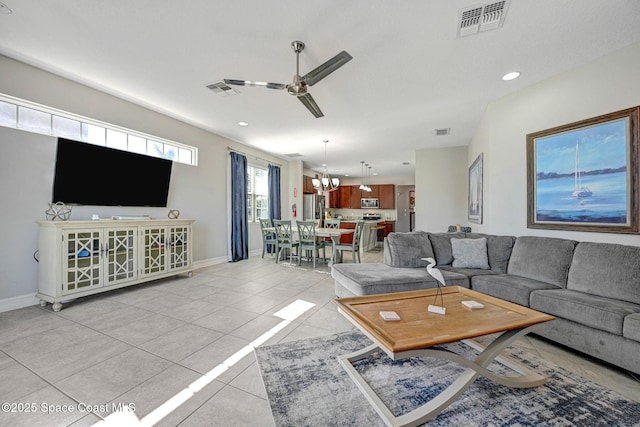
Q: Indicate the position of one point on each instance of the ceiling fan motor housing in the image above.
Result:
(298, 87)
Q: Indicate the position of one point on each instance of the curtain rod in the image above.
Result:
(251, 155)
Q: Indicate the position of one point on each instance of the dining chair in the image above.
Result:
(308, 241)
(354, 246)
(284, 239)
(268, 236)
(331, 223)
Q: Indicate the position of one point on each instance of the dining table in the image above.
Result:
(333, 233)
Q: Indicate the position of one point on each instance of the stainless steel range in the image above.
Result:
(371, 216)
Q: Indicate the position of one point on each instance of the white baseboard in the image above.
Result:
(209, 262)
(220, 260)
(14, 303)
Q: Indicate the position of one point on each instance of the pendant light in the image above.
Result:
(366, 180)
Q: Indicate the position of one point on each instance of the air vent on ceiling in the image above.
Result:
(293, 155)
(222, 89)
(443, 131)
(479, 18)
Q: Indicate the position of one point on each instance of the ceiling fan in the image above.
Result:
(299, 85)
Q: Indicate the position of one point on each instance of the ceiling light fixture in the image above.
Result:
(511, 76)
(326, 183)
(243, 124)
(365, 179)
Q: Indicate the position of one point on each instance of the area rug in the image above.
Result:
(306, 386)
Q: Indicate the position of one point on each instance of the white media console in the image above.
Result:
(80, 258)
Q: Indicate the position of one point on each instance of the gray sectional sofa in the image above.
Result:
(593, 289)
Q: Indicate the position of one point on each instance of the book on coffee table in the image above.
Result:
(389, 315)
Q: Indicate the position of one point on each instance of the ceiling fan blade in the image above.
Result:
(252, 83)
(322, 71)
(311, 105)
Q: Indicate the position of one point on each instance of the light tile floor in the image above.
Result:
(144, 345)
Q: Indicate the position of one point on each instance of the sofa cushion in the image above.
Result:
(605, 314)
(378, 278)
(507, 287)
(469, 272)
(498, 249)
(407, 249)
(470, 253)
(631, 327)
(606, 269)
(542, 258)
(441, 244)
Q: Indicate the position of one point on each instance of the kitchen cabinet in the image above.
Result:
(373, 194)
(334, 199)
(354, 198)
(345, 195)
(387, 196)
(349, 196)
(307, 185)
(340, 198)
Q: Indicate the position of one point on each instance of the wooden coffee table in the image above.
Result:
(418, 330)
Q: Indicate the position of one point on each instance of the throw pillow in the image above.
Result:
(470, 253)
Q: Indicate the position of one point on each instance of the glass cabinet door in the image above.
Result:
(82, 265)
(179, 247)
(121, 260)
(154, 257)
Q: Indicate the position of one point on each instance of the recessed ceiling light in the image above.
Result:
(243, 124)
(511, 76)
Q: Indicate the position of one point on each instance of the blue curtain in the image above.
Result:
(273, 178)
(239, 241)
(274, 192)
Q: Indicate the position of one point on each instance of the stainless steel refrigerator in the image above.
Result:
(312, 206)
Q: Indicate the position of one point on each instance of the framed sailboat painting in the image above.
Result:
(583, 176)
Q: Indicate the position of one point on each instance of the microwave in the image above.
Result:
(369, 203)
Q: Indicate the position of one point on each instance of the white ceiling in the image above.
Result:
(409, 75)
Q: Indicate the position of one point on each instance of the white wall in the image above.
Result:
(27, 164)
(606, 85)
(441, 188)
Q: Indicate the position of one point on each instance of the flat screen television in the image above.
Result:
(88, 174)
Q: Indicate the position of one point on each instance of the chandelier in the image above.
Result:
(325, 183)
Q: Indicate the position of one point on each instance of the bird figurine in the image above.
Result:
(436, 274)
